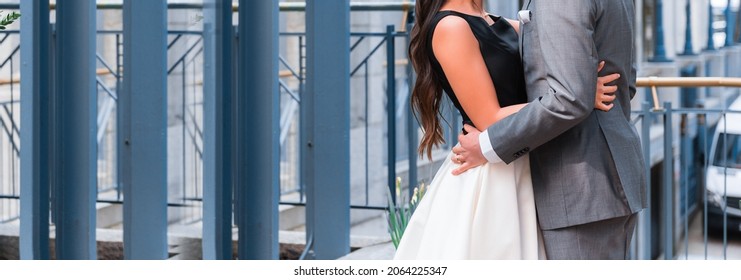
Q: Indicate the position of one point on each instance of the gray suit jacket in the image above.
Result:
(587, 165)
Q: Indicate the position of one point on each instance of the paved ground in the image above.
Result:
(715, 247)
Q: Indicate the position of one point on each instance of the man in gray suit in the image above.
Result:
(587, 165)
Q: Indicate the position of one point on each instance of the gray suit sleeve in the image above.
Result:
(564, 32)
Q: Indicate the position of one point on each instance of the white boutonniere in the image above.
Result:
(524, 16)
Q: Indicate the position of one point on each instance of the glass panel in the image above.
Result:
(728, 151)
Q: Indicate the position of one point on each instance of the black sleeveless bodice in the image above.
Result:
(499, 47)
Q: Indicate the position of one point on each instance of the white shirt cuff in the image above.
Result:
(486, 149)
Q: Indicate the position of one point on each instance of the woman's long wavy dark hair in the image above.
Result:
(427, 93)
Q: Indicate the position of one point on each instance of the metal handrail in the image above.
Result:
(654, 82)
(108, 67)
(668, 170)
(688, 82)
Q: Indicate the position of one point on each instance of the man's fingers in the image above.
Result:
(463, 168)
(600, 106)
(458, 158)
(603, 106)
(462, 157)
(604, 97)
(467, 150)
(458, 150)
(469, 128)
(608, 78)
(609, 89)
(601, 66)
(608, 97)
(458, 171)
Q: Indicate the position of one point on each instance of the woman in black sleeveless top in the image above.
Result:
(489, 211)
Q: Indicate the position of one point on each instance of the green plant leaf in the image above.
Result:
(8, 19)
(399, 212)
(392, 221)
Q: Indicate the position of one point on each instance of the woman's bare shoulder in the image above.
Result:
(452, 33)
(451, 25)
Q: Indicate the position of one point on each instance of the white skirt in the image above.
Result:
(488, 212)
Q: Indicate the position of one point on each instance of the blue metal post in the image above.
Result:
(234, 124)
(737, 25)
(725, 184)
(35, 106)
(703, 131)
(729, 25)
(645, 228)
(688, 49)
(325, 111)
(711, 41)
(412, 127)
(142, 124)
(258, 132)
(217, 164)
(76, 111)
(391, 110)
(659, 48)
(686, 180)
(668, 184)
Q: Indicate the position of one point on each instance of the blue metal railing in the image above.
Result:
(107, 88)
(674, 220)
(185, 48)
(396, 111)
